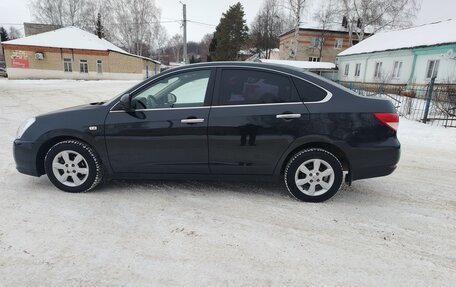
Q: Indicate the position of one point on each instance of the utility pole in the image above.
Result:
(184, 6)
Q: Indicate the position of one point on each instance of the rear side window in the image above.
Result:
(309, 92)
(241, 87)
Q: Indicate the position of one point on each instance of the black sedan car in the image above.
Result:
(225, 120)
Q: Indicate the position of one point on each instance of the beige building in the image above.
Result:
(71, 53)
(315, 44)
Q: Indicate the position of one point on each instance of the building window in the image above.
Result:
(316, 42)
(347, 69)
(378, 70)
(338, 44)
(314, 59)
(99, 66)
(432, 68)
(354, 42)
(397, 69)
(357, 69)
(67, 65)
(83, 66)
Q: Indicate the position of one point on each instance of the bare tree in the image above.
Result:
(326, 16)
(375, 15)
(63, 12)
(296, 8)
(204, 46)
(175, 43)
(267, 27)
(133, 22)
(14, 33)
(160, 41)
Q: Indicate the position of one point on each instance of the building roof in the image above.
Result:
(307, 65)
(70, 38)
(330, 27)
(432, 34)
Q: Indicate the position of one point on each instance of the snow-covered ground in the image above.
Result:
(394, 231)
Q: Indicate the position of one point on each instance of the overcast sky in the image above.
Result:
(209, 12)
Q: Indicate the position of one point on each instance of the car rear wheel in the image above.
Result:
(73, 166)
(313, 175)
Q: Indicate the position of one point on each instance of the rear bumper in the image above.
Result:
(25, 157)
(376, 160)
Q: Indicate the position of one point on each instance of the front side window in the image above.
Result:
(182, 90)
(99, 66)
(432, 68)
(244, 87)
(67, 65)
(397, 69)
(357, 69)
(347, 69)
(83, 66)
(378, 70)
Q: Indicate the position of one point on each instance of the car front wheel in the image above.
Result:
(313, 175)
(73, 166)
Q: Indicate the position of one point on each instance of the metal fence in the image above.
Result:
(434, 103)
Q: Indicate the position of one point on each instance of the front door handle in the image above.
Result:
(288, 116)
(192, 121)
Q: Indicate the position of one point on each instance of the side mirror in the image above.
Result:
(171, 99)
(125, 102)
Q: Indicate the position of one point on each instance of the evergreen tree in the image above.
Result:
(231, 33)
(3, 35)
(99, 29)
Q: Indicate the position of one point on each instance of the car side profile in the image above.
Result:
(224, 120)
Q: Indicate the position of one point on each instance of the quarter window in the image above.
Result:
(309, 92)
(99, 66)
(240, 87)
(67, 65)
(432, 68)
(83, 66)
(182, 90)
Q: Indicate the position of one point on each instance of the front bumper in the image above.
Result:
(25, 157)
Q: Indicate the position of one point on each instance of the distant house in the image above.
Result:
(407, 56)
(71, 53)
(316, 44)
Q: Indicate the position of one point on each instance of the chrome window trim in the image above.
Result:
(325, 99)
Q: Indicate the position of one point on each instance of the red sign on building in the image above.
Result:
(19, 59)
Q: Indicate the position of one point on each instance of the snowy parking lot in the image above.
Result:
(398, 230)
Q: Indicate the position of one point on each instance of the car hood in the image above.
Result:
(91, 106)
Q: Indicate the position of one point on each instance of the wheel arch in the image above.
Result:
(332, 148)
(46, 145)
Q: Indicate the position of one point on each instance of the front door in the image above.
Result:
(167, 131)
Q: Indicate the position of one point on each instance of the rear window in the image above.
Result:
(240, 87)
(309, 92)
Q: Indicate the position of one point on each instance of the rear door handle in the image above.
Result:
(288, 116)
(192, 121)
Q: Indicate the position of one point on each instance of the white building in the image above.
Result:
(403, 57)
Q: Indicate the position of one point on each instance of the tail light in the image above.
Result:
(389, 119)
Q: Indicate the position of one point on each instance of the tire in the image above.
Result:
(301, 175)
(73, 166)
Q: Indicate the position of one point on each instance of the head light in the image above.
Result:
(23, 127)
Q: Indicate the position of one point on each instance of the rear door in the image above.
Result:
(255, 116)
